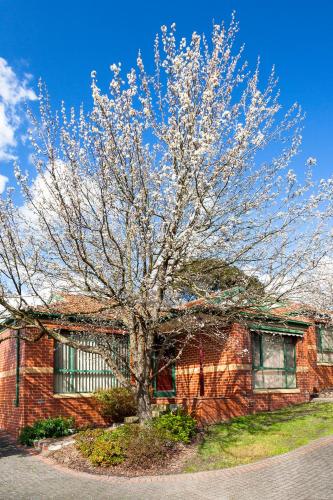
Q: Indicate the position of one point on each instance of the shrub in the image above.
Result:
(46, 428)
(138, 445)
(103, 447)
(179, 427)
(27, 435)
(116, 404)
(107, 450)
(85, 440)
(148, 446)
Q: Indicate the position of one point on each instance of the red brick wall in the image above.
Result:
(11, 417)
(320, 375)
(227, 367)
(228, 379)
(37, 398)
(227, 376)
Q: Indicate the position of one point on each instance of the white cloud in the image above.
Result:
(3, 182)
(14, 91)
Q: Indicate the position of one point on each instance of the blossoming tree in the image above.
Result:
(189, 161)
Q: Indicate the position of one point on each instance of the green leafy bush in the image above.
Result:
(108, 450)
(137, 445)
(179, 427)
(103, 447)
(117, 403)
(85, 440)
(46, 428)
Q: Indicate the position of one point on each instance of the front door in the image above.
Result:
(165, 380)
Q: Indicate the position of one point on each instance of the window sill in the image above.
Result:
(323, 363)
(164, 394)
(276, 391)
(73, 395)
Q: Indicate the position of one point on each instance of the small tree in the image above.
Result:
(187, 162)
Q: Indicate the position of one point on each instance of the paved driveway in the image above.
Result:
(306, 473)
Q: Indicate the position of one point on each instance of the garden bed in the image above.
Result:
(161, 446)
(239, 441)
(175, 463)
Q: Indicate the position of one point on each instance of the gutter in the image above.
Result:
(267, 328)
(278, 319)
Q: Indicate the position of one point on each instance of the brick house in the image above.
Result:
(266, 361)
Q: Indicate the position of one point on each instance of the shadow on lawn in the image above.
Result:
(228, 433)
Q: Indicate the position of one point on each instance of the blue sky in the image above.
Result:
(62, 41)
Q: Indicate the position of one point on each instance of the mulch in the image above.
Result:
(175, 463)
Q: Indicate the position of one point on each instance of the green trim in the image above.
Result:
(279, 329)
(285, 364)
(77, 318)
(17, 376)
(73, 370)
(72, 355)
(287, 370)
(278, 319)
(320, 343)
(321, 351)
(5, 324)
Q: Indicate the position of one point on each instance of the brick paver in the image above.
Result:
(304, 474)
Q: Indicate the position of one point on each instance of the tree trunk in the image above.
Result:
(141, 342)
(143, 401)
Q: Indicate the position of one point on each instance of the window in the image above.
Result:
(324, 344)
(274, 361)
(83, 372)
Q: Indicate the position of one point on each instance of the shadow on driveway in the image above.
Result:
(8, 446)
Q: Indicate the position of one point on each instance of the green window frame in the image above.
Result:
(324, 337)
(279, 374)
(76, 371)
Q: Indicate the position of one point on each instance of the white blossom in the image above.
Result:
(167, 167)
(311, 161)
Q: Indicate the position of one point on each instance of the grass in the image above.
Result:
(247, 439)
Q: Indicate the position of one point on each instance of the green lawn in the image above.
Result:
(247, 439)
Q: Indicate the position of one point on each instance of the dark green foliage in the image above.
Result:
(179, 427)
(214, 275)
(116, 404)
(46, 428)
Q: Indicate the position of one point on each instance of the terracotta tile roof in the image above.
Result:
(280, 311)
(81, 306)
